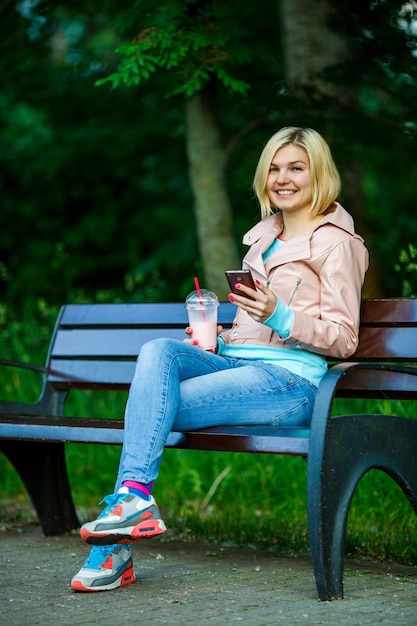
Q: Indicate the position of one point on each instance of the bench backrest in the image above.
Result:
(95, 346)
(388, 334)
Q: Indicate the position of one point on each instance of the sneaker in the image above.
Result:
(107, 567)
(126, 518)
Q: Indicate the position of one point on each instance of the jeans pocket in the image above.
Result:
(297, 415)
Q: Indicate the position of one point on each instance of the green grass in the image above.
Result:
(249, 499)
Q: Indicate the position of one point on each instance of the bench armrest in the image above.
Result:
(41, 370)
(333, 381)
(27, 366)
(47, 401)
(336, 376)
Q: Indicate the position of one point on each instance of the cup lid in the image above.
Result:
(206, 299)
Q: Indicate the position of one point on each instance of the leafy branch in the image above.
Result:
(199, 48)
(407, 266)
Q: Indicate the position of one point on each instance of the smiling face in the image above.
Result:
(289, 184)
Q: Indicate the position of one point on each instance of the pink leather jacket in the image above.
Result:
(319, 275)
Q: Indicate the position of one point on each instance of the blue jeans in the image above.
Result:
(177, 386)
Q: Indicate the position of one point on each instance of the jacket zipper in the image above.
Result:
(294, 291)
(268, 282)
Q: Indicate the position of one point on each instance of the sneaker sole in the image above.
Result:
(127, 578)
(144, 530)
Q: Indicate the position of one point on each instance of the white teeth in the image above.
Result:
(285, 193)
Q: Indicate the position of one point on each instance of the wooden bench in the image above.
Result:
(95, 346)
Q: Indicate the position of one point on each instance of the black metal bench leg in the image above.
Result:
(353, 445)
(42, 468)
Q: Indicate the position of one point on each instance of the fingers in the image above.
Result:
(192, 342)
(262, 287)
(189, 331)
(262, 304)
(195, 342)
(244, 290)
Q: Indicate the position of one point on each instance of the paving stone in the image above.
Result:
(191, 582)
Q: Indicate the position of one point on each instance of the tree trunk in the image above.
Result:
(207, 160)
(310, 48)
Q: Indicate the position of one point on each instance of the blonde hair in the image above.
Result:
(325, 178)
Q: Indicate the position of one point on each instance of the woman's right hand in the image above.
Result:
(261, 305)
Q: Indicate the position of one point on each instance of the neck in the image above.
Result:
(297, 225)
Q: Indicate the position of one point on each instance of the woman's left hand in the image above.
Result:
(263, 304)
(194, 342)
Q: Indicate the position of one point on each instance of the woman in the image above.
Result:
(309, 265)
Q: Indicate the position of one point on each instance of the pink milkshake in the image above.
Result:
(202, 317)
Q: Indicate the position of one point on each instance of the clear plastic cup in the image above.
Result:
(202, 317)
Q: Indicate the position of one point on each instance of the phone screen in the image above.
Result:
(243, 277)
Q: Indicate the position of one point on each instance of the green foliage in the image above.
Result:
(96, 200)
(193, 38)
(75, 184)
(407, 266)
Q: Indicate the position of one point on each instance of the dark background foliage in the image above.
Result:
(96, 202)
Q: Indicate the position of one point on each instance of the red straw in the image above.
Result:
(198, 290)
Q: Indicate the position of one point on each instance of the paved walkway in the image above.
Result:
(192, 583)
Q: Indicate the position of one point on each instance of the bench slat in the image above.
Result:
(389, 312)
(378, 384)
(118, 374)
(376, 344)
(85, 374)
(108, 343)
(262, 439)
(384, 344)
(135, 315)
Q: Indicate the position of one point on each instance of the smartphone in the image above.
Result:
(240, 276)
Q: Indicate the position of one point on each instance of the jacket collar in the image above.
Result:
(261, 236)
